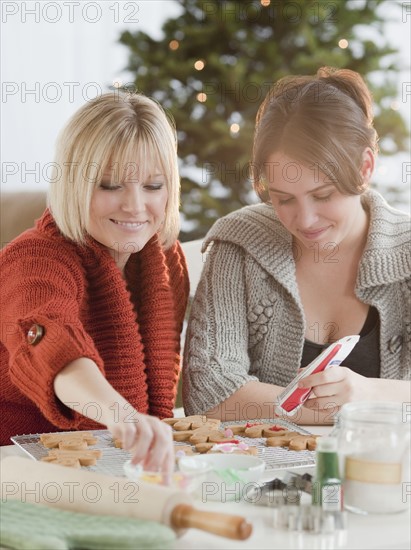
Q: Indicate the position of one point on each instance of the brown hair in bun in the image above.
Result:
(323, 121)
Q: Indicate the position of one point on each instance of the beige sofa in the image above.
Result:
(18, 211)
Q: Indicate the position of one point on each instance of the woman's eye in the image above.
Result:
(109, 187)
(154, 186)
(284, 201)
(324, 197)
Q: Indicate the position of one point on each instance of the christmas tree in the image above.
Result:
(216, 62)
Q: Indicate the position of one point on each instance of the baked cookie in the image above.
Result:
(302, 443)
(194, 422)
(255, 429)
(294, 441)
(183, 435)
(53, 440)
(237, 429)
(275, 431)
(203, 436)
(281, 440)
(171, 421)
(212, 423)
(73, 445)
(203, 447)
(312, 443)
(86, 458)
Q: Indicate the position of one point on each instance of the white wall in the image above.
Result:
(72, 59)
(55, 47)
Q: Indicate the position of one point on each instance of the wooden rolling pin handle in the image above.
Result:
(185, 516)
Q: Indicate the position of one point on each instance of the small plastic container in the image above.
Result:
(182, 481)
(226, 477)
(374, 450)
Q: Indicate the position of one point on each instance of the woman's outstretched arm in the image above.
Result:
(81, 383)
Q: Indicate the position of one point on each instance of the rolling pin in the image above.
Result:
(88, 492)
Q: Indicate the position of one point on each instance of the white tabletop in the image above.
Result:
(374, 532)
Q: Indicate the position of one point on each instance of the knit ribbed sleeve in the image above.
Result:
(216, 360)
(29, 296)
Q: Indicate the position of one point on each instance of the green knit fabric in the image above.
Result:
(27, 526)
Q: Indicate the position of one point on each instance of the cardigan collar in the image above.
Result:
(387, 255)
(257, 229)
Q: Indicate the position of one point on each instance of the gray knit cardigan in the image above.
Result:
(247, 321)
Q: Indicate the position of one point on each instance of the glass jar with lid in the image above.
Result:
(374, 451)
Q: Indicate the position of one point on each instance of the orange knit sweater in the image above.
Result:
(130, 328)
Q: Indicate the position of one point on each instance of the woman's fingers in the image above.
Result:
(324, 403)
(128, 435)
(149, 441)
(325, 390)
(336, 386)
(157, 459)
(329, 388)
(142, 441)
(330, 375)
(168, 466)
(160, 457)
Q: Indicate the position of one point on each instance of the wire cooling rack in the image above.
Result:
(110, 463)
(113, 459)
(277, 458)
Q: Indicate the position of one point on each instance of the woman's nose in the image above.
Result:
(306, 217)
(133, 200)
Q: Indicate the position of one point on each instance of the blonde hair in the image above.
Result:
(115, 129)
(324, 121)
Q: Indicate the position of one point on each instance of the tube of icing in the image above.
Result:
(292, 398)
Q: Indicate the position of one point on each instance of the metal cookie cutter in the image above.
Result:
(309, 518)
(302, 482)
(279, 492)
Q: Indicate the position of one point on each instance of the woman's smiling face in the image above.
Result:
(308, 204)
(126, 212)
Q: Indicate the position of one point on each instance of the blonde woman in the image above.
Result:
(93, 297)
(323, 257)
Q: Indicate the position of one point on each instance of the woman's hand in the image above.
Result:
(337, 385)
(149, 440)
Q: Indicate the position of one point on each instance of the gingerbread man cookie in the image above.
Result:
(86, 458)
(72, 440)
(194, 422)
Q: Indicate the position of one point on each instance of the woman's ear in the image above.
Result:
(367, 166)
